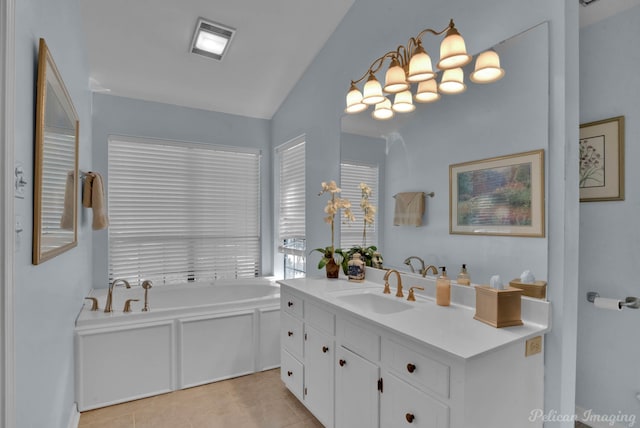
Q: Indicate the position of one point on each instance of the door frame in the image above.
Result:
(7, 235)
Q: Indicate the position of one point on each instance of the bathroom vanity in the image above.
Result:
(356, 357)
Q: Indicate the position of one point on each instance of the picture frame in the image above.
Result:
(602, 160)
(502, 196)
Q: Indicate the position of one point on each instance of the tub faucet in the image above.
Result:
(425, 271)
(107, 306)
(146, 284)
(386, 283)
(407, 262)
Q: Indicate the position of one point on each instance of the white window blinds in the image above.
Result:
(182, 212)
(291, 215)
(351, 175)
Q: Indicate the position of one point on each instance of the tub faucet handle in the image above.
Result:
(127, 305)
(94, 303)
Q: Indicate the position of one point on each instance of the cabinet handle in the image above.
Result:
(289, 304)
(411, 368)
(325, 349)
(409, 417)
(289, 374)
(290, 333)
(342, 363)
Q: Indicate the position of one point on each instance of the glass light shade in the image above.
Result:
(420, 67)
(427, 91)
(395, 79)
(403, 102)
(211, 42)
(487, 68)
(354, 101)
(453, 52)
(372, 93)
(452, 81)
(383, 110)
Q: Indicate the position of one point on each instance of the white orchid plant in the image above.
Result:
(334, 205)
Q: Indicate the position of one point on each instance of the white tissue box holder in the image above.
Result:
(498, 308)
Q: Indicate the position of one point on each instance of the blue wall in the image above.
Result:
(608, 349)
(124, 116)
(48, 296)
(370, 28)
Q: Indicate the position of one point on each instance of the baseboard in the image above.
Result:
(74, 417)
(590, 418)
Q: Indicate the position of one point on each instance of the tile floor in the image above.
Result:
(255, 401)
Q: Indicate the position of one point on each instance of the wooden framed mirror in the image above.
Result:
(55, 205)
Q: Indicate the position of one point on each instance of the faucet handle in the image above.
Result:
(412, 297)
(94, 303)
(127, 305)
(387, 289)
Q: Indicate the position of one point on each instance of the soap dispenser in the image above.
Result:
(463, 276)
(443, 288)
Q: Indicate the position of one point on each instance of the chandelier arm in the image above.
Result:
(376, 65)
(434, 32)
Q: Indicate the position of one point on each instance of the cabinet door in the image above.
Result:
(357, 393)
(404, 406)
(318, 364)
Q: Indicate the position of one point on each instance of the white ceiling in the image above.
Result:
(140, 49)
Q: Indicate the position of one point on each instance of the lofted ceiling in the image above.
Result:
(140, 49)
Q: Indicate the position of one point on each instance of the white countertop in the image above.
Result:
(451, 329)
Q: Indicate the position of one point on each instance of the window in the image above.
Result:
(182, 212)
(351, 175)
(290, 158)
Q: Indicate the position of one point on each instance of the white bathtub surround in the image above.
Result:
(193, 334)
(434, 366)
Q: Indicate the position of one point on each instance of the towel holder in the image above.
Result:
(629, 302)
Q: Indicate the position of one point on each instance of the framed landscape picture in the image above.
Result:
(602, 160)
(498, 196)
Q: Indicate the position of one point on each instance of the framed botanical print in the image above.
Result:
(602, 160)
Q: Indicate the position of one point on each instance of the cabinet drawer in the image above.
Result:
(319, 318)
(291, 373)
(416, 368)
(358, 339)
(404, 406)
(292, 305)
(291, 335)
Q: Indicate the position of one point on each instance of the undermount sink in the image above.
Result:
(377, 303)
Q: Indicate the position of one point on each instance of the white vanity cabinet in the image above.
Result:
(351, 370)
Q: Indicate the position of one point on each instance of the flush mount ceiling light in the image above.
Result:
(211, 39)
(412, 64)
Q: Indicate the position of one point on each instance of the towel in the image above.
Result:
(409, 209)
(93, 197)
(68, 210)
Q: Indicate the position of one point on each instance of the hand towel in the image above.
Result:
(409, 209)
(68, 210)
(93, 197)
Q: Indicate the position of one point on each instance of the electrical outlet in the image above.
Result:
(533, 346)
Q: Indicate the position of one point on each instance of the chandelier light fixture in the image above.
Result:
(411, 65)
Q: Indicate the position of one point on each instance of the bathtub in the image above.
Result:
(193, 334)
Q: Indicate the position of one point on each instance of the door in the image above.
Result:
(319, 352)
(356, 391)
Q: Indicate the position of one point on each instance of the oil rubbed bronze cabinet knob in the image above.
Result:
(290, 333)
(411, 367)
(342, 363)
(289, 304)
(409, 417)
(325, 349)
(289, 374)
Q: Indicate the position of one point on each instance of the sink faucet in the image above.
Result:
(425, 271)
(107, 306)
(386, 283)
(407, 262)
